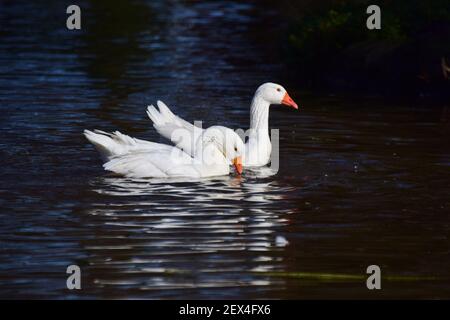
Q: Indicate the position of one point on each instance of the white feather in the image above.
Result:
(110, 145)
(180, 132)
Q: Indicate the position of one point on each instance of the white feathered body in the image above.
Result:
(135, 158)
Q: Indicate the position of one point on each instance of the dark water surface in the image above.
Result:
(361, 182)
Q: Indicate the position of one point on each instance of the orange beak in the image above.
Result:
(237, 163)
(288, 101)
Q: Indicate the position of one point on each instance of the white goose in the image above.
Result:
(216, 148)
(258, 147)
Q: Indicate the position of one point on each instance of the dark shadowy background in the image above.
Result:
(327, 42)
(364, 164)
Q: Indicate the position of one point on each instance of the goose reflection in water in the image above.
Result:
(154, 235)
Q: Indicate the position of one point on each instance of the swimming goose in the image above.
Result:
(216, 148)
(258, 147)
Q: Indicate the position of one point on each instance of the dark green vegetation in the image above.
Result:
(330, 46)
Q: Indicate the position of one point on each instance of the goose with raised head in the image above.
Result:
(258, 147)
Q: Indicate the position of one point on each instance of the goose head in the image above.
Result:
(226, 142)
(275, 94)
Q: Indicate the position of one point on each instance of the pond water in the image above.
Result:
(361, 181)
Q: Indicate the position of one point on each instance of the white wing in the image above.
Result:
(115, 144)
(153, 164)
(134, 158)
(182, 133)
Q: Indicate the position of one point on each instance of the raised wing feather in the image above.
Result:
(180, 132)
(115, 144)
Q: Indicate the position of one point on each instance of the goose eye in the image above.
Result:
(235, 148)
(278, 89)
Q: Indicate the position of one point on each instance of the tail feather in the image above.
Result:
(164, 110)
(155, 116)
(110, 145)
(161, 117)
(103, 142)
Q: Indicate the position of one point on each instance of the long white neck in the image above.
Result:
(258, 146)
(259, 115)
